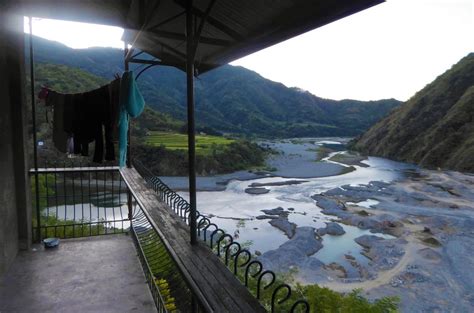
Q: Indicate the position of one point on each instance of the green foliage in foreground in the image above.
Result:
(51, 226)
(43, 189)
(165, 291)
(325, 300)
(55, 227)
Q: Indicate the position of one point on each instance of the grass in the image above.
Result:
(176, 141)
(323, 152)
(346, 170)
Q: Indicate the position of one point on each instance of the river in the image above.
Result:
(235, 211)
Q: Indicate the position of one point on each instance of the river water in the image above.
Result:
(235, 211)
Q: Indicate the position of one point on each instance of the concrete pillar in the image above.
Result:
(15, 206)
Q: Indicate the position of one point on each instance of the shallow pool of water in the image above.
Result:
(336, 247)
(369, 203)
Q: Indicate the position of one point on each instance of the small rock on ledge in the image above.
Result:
(257, 191)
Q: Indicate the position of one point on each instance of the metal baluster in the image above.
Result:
(82, 201)
(105, 203)
(65, 199)
(113, 199)
(73, 205)
(90, 206)
(47, 205)
(97, 199)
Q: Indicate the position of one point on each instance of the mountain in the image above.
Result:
(229, 99)
(435, 128)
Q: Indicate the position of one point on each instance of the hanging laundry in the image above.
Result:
(88, 120)
(114, 108)
(60, 137)
(70, 146)
(86, 117)
(131, 104)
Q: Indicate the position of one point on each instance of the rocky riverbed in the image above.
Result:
(428, 265)
(389, 228)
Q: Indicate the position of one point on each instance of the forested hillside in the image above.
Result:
(229, 99)
(435, 128)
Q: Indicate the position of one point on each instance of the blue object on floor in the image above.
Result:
(51, 242)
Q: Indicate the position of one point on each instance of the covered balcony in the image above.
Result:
(128, 242)
(107, 219)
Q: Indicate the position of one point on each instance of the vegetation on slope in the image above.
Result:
(435, 128)
(66, 79)
(223, 158)
(152, 120)
(205, 144)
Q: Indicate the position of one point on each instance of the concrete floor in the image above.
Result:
(95, 274)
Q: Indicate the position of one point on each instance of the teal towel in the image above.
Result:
(131, 104)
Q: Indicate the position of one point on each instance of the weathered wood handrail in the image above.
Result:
(214, 286)
(49, 170)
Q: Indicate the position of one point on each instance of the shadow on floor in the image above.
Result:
(95, 274)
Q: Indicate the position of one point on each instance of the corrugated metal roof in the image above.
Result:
(233, 28)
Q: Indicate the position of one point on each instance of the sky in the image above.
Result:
(388, 51)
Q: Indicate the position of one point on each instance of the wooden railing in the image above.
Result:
(215, 275)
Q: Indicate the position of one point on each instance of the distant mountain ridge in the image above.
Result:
(230, 99)
(435, 128)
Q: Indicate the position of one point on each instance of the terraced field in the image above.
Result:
(176, 141)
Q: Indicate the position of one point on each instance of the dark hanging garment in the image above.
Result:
(68, 114)
(114, 108)
(81, 140)
(105, 130)
(111, 119)
(70, 145)
(89, 118)
(86, 117)
(57, 101)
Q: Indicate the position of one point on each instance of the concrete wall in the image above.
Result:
(15, 208)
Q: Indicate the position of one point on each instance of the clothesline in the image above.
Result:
(82, 118)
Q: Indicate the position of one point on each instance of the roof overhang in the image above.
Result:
(228, 29)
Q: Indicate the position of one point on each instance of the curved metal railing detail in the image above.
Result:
(285, 298)
(303, 303)
(223, 245)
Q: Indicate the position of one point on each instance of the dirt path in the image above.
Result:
(383, 277)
